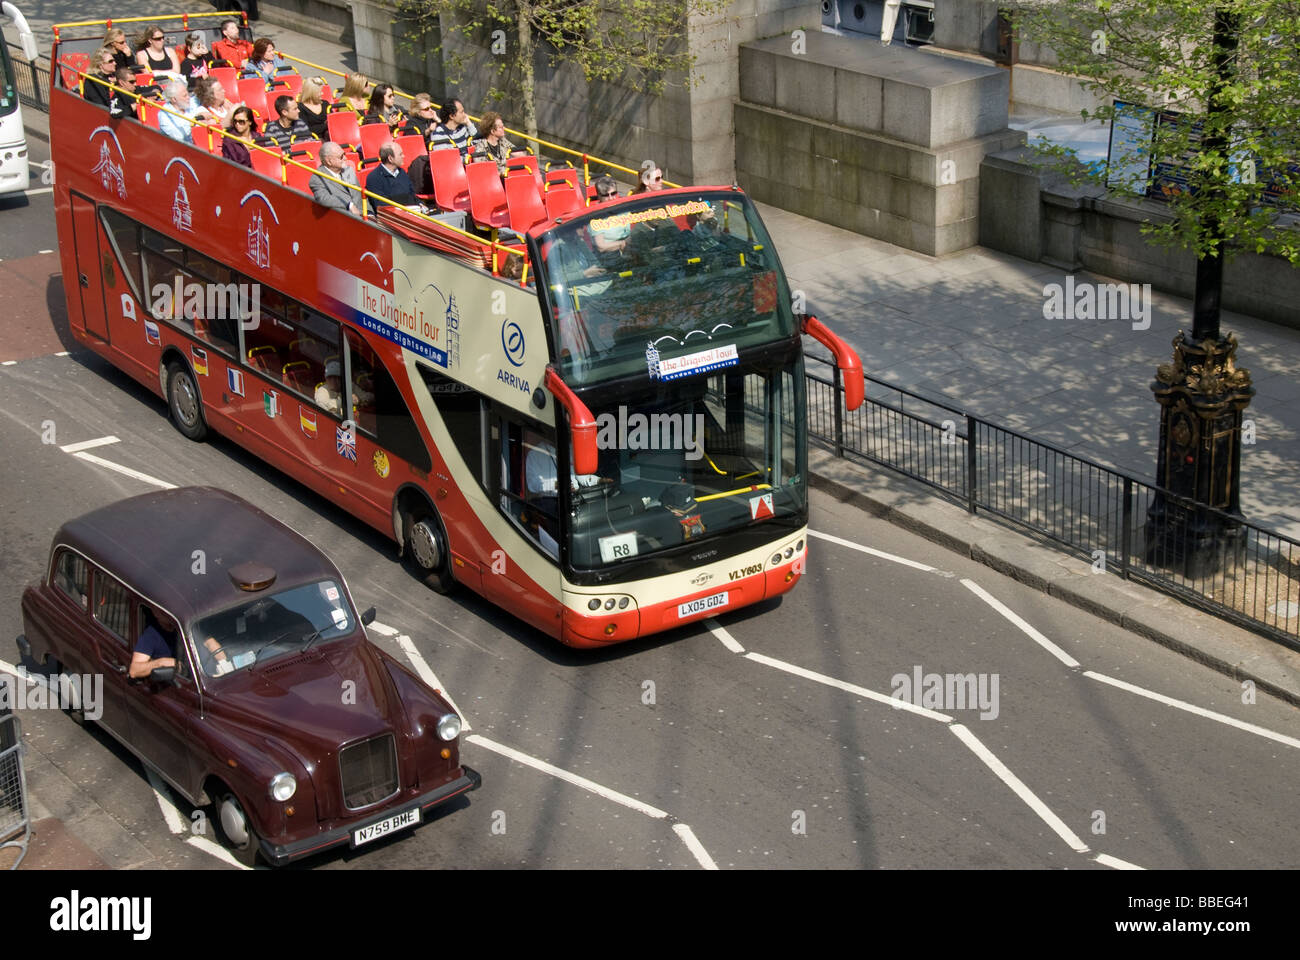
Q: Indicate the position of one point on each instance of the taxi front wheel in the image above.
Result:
(237, 834)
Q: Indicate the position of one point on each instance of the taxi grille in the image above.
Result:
(369, 771)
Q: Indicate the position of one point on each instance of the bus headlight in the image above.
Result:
(283, 786)
(449, 726)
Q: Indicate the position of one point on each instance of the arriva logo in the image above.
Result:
(512, 341)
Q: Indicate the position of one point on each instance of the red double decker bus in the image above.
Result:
(606, 448)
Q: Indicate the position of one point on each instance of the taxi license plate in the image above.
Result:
(692, 607)
(373, 831)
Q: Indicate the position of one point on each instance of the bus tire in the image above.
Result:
(425, 552)
(185, 402)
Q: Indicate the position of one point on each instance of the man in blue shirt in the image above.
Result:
(178, 124)
(152, 650)
(389, 180)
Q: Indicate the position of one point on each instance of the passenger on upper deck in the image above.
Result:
(264, 62)
(116, 39)
(356, 88)
(651, 178)
(152, 52)
(329, 193)
(287, 127)
(423, 116)
(121, 105)
(179, 100)
(454, 130)
(312, 110)
(212, 95)
(106, 65)
(197, 58)
(389, 180)
(493, 145)
(241, 125)
(383, 108)
(232, 48)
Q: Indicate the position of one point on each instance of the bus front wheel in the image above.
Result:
(426, 552)
(185, 402)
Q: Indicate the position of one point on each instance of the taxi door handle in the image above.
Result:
(119, 668)
(84, 280)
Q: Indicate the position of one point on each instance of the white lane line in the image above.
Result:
(849, 687)
(693, 844)
(1016, 619)
(7, 363)
(175, 822)
(719, 631)
(1115, 863)
(875, 553)
(383, 629)
(589, 785)
(62, 353)
(125, 471)
(214, 849)
(37, 192)
(428, 676)
(88, 444)
(20, 672)
(1192, 708)
(1018, 788)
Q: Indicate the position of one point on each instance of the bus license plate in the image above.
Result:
(373, 831)
(691, 608)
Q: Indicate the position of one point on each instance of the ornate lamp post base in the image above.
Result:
(1202, 395)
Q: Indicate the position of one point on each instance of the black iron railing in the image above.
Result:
(1121, 523)
(31, 78)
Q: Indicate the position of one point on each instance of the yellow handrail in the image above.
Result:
(183, 17)
(732, 493)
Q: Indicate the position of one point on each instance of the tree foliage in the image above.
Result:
(1237, 137)
(639, 43)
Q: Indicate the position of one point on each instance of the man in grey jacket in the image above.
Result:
(329, 193)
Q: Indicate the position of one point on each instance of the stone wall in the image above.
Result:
(882, 141)
(1033, 214)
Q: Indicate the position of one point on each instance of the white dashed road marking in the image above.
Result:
(1016, 619)
(893, 557)
(88, 444)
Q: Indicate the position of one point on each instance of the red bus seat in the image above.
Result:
(297, 374)
(252, 91)
(524, 203)
(267, 162)
(290, 83)
(487, 197)
(298, 176)
(412, 145)
(208, 137)
(306, 151)
(344, 128)
(561, 175)
(525, 164)
(562, 200)
(148, 111)
(264, 358)
(326, 94)
(450, 184)
(228, 77)
(373, 136)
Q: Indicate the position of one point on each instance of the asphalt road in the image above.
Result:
(768, 741)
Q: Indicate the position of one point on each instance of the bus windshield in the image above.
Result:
(682, 461)
(657, 282)
(8, 90)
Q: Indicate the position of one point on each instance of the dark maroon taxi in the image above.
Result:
(277, 711)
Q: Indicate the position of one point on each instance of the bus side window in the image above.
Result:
(125, 236)
(528, 492)
(378, 407)
(461, 410)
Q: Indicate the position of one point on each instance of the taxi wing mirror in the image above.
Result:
(368, 617)
(165, 675)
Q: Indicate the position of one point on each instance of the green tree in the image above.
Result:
(639, 43)
(1230, 70)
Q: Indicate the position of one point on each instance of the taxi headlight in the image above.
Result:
(449, 726)
(283, 786)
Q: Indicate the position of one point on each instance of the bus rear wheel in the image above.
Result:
(185, 402)
(425, 551)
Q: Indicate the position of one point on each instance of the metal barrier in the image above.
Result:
(31, 77)
(14, 823)
(1121, 523)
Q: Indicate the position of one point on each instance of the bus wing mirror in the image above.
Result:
(846, 358)
(581, 422)
(25, 36)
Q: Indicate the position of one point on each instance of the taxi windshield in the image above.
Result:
(270, 625)
(657, 278)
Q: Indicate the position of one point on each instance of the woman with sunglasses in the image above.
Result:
(651, 178)
(154, 53)
(241, 125)
(116, 39)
